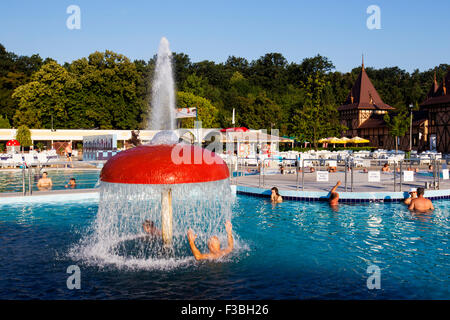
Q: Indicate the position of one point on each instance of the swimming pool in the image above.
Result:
(293, 250)
(11, 180)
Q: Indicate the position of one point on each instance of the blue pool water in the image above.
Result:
(293, 250)
(11, 180)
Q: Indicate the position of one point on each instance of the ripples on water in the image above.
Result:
(287, 251)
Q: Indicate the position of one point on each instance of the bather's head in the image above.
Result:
(214, 244)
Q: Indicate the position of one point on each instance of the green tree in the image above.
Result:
(108, 98)
(206, 112)
(4, 123)
(316, 119)
(23, 135)
(398, 125)
(45, 97)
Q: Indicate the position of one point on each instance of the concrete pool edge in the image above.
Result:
(50, 196)
(349, 197)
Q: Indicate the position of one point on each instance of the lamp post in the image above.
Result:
(410, 127)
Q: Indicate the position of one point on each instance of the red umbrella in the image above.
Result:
(13, 143)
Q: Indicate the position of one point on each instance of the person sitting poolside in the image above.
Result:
(45, 183)
(275, 196)
(421, 204)
(72, 184)
(312, 170)
(334, 196)
(386, 168)
(412, 195)
(150, 229)
(215, 252)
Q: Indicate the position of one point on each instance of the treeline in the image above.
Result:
(108, 91)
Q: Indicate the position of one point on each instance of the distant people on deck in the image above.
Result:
(215, 252)
(421, 204)
(72, 183)
(412, 195)
(68, 151)
(44, 183)
(332, 169)
(275, 197)
(386, 168)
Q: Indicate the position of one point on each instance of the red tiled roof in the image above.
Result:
(363, 95)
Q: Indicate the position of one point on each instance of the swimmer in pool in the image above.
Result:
(421, 204)
(215, 252)
(150, 229)
(334, 196)
(45, 183)
(275, 196)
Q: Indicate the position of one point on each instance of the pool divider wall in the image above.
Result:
(348, 197)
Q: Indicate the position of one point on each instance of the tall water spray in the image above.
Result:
(149, 182)
(163, 90)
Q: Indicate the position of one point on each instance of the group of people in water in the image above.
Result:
(45, 183)
(416, 201)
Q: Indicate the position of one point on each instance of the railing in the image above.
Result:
(240, 167)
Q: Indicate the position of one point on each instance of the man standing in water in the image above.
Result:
(44, 183)
(421, 204)
(213, 244)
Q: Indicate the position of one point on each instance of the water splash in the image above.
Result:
(117, 238)
(163, 90)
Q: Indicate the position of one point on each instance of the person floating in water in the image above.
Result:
(412, 195)
(215, 252)
(72, 183)
(150, 229)
(275, 196)
(45, 183)
(421, 204)
(334, 196)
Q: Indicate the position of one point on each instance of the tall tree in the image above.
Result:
(398, 125)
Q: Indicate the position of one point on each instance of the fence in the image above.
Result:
(358, 174)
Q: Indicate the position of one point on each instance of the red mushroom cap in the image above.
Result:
(13, 143)
(154, 164)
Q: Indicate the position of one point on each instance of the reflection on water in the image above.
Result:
(293, 250)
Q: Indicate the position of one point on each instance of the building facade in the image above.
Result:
(363, 114)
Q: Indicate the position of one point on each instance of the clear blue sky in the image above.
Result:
(413, 34)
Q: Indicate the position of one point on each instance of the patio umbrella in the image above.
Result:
(345, 140)
(358, 140)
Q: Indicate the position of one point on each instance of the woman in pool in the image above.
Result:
(275, 197)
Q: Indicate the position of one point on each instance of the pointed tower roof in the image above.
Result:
(442, 93)
(434, 87)
(363, 94)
